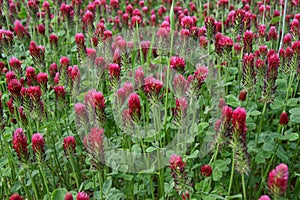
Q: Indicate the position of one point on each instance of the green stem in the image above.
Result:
(74, 171)
(283, 24)
(244, 188)
(260, 123)
(231, 176)
(44, 179)
(33, 185)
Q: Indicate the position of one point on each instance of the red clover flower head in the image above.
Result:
(206, 170)
(82, 196)
(278, 179)
(15, 197)
(284, 119)
(20, 144)
(68, 196)
(69, 144)
(134, 105)
(38, 144)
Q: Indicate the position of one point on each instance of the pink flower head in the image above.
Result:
(139, 76)
(15, 197)
(60, 92)
(20, 144)
(53, 69)
(15, 64)
(177, 63)
(187, 22)
(79, 39)
(88, 18)
(227, 114)
(14, 87)
(134, 106)
(114, 71)
(38, 144)
(34, 93)
(20, 30)
(69, 144)
(284, 118)
(9, 76)
(176, 163)
(239, 120)
(180, 84)
(124, 92)
(248, 38)
(82, 196)
(152, 86)
(264, 197)
(201, 74)
(296, 47)
(41, 29)
(278, 179)
(114, 4)
(64, 62)
(181, 106)
(206, 170)
(94, 142)
(287, 39)
(42, 79)
(272, 33)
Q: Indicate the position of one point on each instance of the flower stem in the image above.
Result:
(260, 123)
(244, 188)
(232, 172)
(74, 171)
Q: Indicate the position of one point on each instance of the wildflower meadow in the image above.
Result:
(149, 99)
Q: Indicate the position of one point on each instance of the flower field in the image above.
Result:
(145, 99)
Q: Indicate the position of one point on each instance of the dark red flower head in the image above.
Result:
(243, 95)
(15, 197)
(239, 120)
(69, 144)
(68, 196)
(206, 170)
(284, 119)
(114, 71)
(14, 87)
(272, 33)
(134, 106)
(20, 144)
(38, 144)
(59, 92)
(15, 64)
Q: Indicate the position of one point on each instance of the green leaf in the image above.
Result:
(150, 149)
(59, 194)
(106, 186)
(275, 20)
(291, 137)
(193, 155)
(294, 111)
(232, 100)
(217, 174)
(22, 14)
(292, 102)
(255, 113)
(61, 33)
(269, 145)
(202, 126)
(260, 157)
